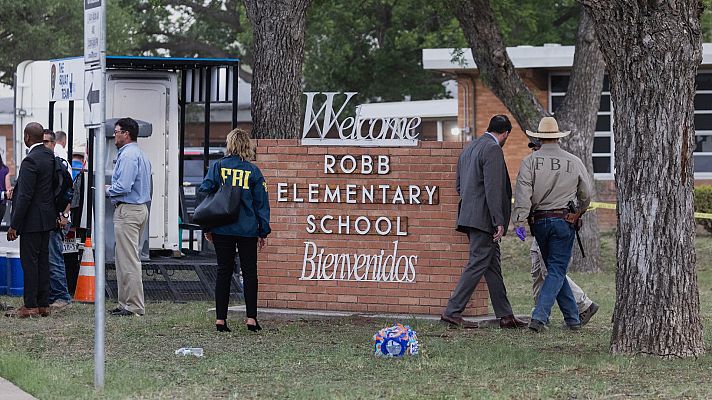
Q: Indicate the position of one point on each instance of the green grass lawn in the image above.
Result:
(333, 359)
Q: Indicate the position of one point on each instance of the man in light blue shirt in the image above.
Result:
(130, 193)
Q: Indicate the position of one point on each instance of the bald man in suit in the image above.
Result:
(33, 217)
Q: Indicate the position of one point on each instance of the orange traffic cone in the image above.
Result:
(85, 283)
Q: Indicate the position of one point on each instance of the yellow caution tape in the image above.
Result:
(611, 206)
(595, 204)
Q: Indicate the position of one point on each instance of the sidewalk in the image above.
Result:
(8, 391)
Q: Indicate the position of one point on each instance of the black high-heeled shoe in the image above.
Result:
(222, 327)
(254, 328)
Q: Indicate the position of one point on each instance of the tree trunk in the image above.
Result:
(578, 112)
(278, 28)
(653, 49)
(493, 63)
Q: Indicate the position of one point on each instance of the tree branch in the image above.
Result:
(182, 45)
(230, 16)
(496, 69)
(572, 12)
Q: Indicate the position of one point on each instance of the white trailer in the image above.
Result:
(144, 88)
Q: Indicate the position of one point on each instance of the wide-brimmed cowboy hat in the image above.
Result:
(548, 129)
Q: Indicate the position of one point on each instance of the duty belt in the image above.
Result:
(542, 214)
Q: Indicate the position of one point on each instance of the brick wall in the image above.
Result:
(441, 252)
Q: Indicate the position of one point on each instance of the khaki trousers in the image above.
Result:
(539, 273)
(129, 224)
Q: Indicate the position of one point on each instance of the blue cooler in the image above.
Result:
(4, 272)
(17, 277)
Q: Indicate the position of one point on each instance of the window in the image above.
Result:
(703, 123)
(603, 144)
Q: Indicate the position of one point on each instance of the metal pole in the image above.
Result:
(235, 78)
(206, 137)
(181, 126)
(99, 214)
(18, 144)
(50, 122)
(70, 133)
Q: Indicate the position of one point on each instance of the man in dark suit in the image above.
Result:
(33, 217)
(485, 207)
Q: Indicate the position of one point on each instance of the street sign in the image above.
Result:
(66, 79)
(94, 116)
(94, 40)
(92, 97)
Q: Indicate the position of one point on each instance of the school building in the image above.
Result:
(545, 70)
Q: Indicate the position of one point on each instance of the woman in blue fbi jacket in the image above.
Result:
(247, 234)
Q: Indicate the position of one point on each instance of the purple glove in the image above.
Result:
(521, 233)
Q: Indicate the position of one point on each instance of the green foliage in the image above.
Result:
(706, 21)
(535, 22)
(45, 29)
(703, 203)
(375, 47)
(213, 28)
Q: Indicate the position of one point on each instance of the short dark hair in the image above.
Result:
(130, 126)
(49, 133)
(499, 124)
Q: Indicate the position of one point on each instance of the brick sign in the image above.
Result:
(362, 229)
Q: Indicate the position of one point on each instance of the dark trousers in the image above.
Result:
(225, 246)
(34, 256)
(484, 260)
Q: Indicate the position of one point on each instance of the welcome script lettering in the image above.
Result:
(356, 130)
(388, 264)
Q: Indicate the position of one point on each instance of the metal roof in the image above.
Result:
(546, 56)
(167, 63)
(409, 109)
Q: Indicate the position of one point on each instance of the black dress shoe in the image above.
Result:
(222, 327)
(123, 313)
(458, 322)
(115, 310)
(254, 328)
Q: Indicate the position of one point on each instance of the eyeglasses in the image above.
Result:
(47, 141)
(116, 132)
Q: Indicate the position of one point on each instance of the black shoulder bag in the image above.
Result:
(219, 208)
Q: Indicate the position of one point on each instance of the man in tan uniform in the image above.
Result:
(548, 180)
(586, 307)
